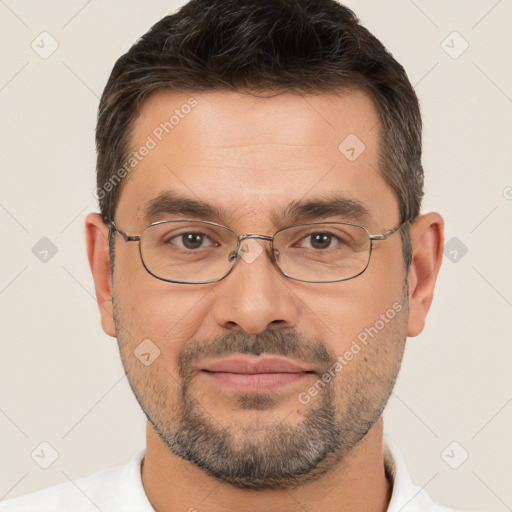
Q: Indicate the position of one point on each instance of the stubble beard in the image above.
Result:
(260, 455)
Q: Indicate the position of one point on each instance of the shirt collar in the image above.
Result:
(406, 496)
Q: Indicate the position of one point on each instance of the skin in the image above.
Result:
(249, 155)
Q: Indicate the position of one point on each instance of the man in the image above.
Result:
(261, 258)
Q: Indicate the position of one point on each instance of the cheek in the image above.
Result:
(340, 312)
(382, 284)
(167, 314)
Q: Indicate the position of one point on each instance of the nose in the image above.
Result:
(255, 296)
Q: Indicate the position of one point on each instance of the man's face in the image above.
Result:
(252, 158)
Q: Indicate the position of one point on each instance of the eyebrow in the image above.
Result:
(171, 203)
(317, 209)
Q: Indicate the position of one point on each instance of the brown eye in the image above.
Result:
(320, 240)
(192, 240)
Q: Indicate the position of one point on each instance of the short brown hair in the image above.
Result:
(257, 46)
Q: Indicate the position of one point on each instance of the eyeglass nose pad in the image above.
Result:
(274, 254)
(234, 254)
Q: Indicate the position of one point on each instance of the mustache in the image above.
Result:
(280, 343)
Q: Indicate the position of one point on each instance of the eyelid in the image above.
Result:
(308, 239)
(208, 232)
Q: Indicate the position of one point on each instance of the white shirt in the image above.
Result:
(120, 489)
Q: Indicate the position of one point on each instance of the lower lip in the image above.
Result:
(254, 382)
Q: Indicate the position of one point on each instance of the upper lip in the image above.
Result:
(252, 366)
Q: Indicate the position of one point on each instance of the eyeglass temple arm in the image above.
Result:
(127, 238)
(388, 233)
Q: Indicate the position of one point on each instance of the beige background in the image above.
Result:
(61, 379)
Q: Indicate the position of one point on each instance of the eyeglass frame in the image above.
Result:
(234, 256)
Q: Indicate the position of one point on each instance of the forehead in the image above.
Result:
(250, 157)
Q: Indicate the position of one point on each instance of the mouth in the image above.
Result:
(255, 375)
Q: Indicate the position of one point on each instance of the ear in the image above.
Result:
(427, 235)
(96, 238)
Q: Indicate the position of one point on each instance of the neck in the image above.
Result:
(357, 483)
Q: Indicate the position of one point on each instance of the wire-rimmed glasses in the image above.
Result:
(201, 252)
